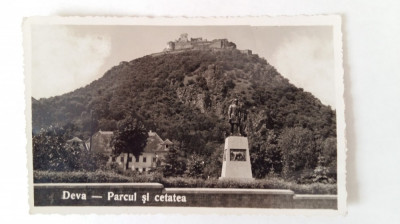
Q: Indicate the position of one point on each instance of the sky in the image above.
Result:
(65, 58)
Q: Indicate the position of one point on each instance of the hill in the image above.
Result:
(185, 97)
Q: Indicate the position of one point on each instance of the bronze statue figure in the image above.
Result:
(234, 117)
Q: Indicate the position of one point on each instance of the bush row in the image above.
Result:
(180, 182)
(272, 183)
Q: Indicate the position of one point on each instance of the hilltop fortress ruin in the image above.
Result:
(186, 44)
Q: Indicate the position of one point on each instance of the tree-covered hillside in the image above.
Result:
(185, 97)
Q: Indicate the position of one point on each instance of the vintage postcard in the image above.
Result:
(233, 115)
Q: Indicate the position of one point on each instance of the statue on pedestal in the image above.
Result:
(236, 158)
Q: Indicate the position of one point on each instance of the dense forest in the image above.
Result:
(185, 97)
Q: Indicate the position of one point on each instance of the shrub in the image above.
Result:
(79, 177)
(93, 177)
(195, 167)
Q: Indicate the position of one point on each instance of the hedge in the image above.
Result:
(179, 182)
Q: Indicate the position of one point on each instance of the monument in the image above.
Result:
(236, 159)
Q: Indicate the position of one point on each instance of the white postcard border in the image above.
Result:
(315, 20)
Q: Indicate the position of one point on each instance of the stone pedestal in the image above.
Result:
(236, 161)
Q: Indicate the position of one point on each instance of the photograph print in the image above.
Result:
(146, 113)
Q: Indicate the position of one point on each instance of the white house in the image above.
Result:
(155, 150)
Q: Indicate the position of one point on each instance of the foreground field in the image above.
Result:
(180, 182)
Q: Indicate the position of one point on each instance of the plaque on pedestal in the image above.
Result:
(236, 159)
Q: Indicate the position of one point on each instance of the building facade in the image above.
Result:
(155, 150)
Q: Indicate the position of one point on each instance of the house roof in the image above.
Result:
(74, 139)
(168, 142)
(154, 143)
(101, 141)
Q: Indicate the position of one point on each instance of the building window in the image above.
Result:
(144, 159)
(122, 159)
(166, 146)
(112, 159)
(137, 159)
(154, 159)
(129, 159)
(137, 169)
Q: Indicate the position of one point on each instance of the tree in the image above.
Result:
(329, 152)
(131, 138)
(266, 157)
(48, 150)
(92, 161)
(298, 150)
(195, 167)
(213, 164)
(321, 171)
(52, 152)
(259, 161)
(174, 165)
